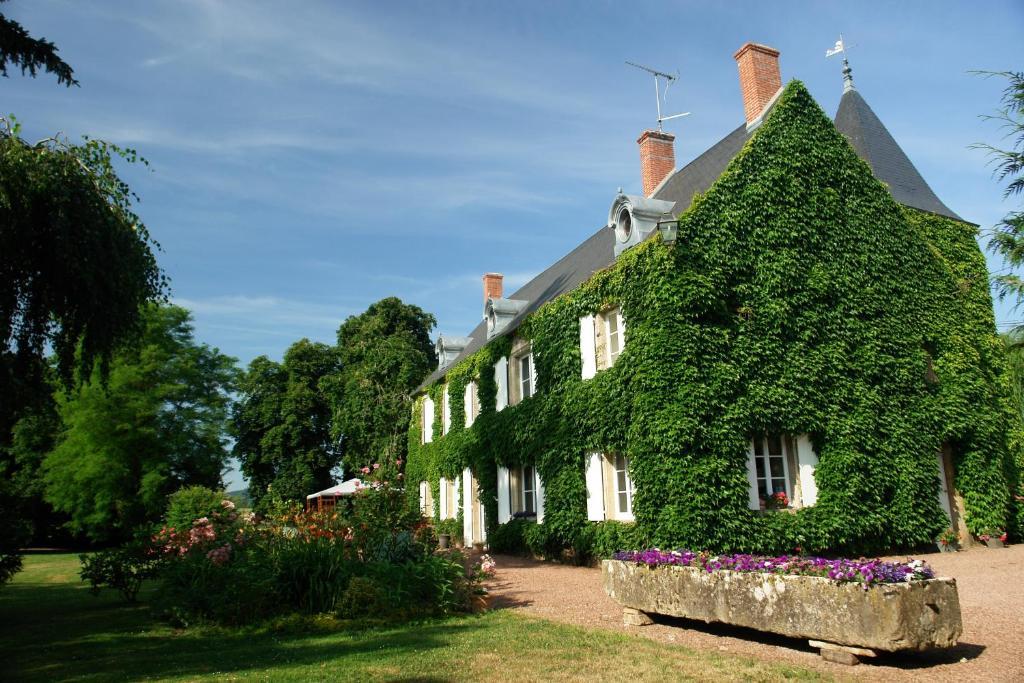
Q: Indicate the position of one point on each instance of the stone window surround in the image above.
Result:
(612, 510)
(521, 348)
(472, 388)
(426, 499)
(602, 348)
(449, 506)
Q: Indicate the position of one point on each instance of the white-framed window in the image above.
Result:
(771, 458)
(428, 420)
(613, 335)
(609, 487)
(623, 487)
(446, 412)
(529, 497)
(526, 385)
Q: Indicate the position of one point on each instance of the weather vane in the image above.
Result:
(657, 90)
(842, 47)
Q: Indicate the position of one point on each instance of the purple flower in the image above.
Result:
(863, 571)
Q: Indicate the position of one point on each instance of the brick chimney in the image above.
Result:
(760, 78)
(492, 286)
(657, 158)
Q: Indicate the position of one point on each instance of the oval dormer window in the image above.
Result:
(623, 225)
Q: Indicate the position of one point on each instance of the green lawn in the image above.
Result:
(52, 629)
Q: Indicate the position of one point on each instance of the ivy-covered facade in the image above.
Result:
(802, 332)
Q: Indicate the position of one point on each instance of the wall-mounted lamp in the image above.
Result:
(669, 230)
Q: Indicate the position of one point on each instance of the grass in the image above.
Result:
(53, 629)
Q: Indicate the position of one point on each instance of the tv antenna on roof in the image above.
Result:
(657, 89)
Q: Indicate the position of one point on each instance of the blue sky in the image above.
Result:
(309, 158)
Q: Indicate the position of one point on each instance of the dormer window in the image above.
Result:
(633, 219)
(449, 348)
(500, 313)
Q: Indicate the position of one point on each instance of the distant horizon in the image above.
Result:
(309, 161)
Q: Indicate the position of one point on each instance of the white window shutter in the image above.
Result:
(443, 490)
(446, 412)
(428, 420)
(539, 488)
(755, 497)
(467, 403)
(453, 507)
(595, 487)
(807, 460)
(423, 496)
(504, 503)
(588, 347)
(501, 379)
(467, 507)
(943, 486)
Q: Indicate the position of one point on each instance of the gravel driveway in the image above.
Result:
(990, 584)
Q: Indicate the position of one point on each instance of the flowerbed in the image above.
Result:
(378, 561)
(862, 571)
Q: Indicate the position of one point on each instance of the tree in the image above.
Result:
(1007, 238)
(385, 353)
(76, 263)
(17, 47)
(156, 425)
(282, 423)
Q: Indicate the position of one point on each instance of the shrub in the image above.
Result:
(452, 527)
(600, 541)
(509, 538)
(123, 569)
(186, 505)
(379, 562)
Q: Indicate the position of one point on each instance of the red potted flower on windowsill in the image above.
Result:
(777, 501)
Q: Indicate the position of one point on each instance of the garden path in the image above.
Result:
(990, 584)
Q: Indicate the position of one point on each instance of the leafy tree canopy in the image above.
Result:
(17, 47)
(282, 423)
(385, 353)
(158, 425)
(1008, 236)
(76, 263)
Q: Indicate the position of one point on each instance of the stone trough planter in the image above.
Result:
(842, 619)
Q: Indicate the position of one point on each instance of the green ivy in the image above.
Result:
(800, 298)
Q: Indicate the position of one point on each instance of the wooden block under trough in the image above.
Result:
(859, 651)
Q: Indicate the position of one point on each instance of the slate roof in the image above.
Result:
(854, 119)
(890, 164)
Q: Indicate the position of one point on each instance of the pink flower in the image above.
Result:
(227, 504)
(219, 555)
(398, 463)
(376, 465)
(365, 470)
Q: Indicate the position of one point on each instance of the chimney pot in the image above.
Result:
(657, 158)
(760, 77)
